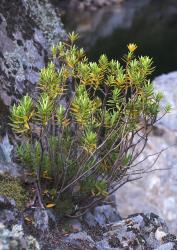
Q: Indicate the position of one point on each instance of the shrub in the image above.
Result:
(81, 133)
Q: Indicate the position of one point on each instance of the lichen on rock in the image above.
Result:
(27, 30)
(15, 239)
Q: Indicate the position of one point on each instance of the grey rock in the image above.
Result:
(100, 3)
(157, 192)
(138, 231)
(102, 22)
(11, 169)
(51, 216)
(101, 215)
(80, 239)
(111, 214)
(106, 214)
(75, 225)
(167, 83)
(27, 30)
(159, 234)
(92, 5)
(41, 220)
(9, 217)
(134, 232)
(104, 245)
(6, 202)
(5, 149)
(167, 246)
(2, 156)
(90, 219)
(15, 239)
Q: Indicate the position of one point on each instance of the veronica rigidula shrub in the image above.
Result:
(88, 124)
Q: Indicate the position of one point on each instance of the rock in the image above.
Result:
(101, 215)
(135, 232)
(100, 3)
(27, 30)
(81, 240)
(157, 191)
(167, 83)
(52, 218)
(10, 169)
(4, 111)
(138, 231)
(167, 246)
(75, 225)
(6, 202)
(9, 217)
(5, 149)
(15, 239)
(2, 156)
(159, 234)
(90, 219)
(41, 220)
(99, 23)
(92, 5)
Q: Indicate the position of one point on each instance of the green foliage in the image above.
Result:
(168, 108)
(22, 114)
(82, 133)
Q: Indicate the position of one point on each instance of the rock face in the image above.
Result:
(157, 191)
(28, 29)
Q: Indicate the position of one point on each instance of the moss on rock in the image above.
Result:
(12, 188)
